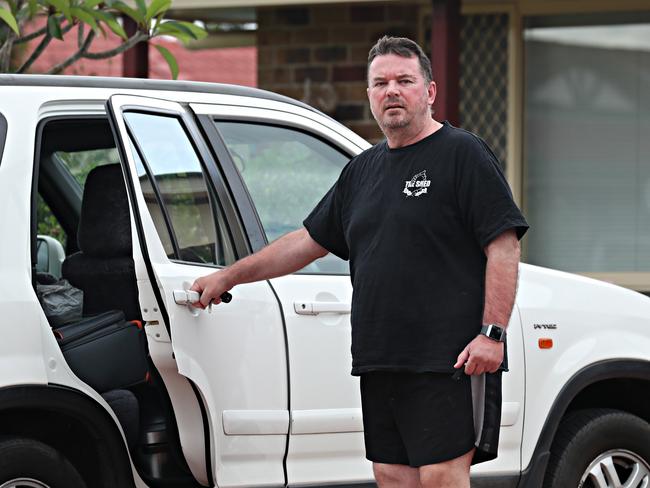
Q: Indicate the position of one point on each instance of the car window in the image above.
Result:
(80, 163)
(47, 224)
(3, 134)
(287, 172)
(186, 213)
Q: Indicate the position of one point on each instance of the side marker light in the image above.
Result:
(545, 343)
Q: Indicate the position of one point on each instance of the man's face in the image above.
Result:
(398, 93)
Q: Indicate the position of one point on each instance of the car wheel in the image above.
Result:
(600, 449)
(26, 463)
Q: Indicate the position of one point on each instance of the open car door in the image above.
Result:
(187, 226)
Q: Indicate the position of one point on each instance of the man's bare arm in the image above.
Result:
(289, 253)
(483, 354)
(503, 255)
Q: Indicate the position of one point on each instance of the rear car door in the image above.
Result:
(287, 157)
(188, 227)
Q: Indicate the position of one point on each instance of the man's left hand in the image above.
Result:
(482, 355)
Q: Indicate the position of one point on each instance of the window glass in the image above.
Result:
(47, 224)
(187, 204)
(80, 163)
(153, 205)
(587, 115)
(287, 172)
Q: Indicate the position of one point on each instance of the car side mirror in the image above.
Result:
(49, 255)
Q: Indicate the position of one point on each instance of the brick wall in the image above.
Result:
(318, 54)
(194, 64)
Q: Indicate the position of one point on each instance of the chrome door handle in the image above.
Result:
(314, 308)
(186, 297)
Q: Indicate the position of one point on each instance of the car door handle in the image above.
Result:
(314, 308)
(188, 297)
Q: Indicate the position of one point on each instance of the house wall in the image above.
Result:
(318, 54)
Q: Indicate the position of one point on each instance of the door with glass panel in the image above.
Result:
(188, 227)
(287, 164)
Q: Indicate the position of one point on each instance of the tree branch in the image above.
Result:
(38, 33)
(128, 44)
(5, 51)
(55, 70)
(32, 35)
(35, 54)
(80, 35)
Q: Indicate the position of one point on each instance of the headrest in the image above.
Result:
(105, 223)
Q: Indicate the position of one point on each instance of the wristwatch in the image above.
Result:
(494, 332)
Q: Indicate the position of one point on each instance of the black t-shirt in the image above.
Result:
(414, 222)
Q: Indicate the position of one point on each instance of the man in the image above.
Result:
(428, 223)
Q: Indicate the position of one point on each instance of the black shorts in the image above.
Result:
(416, 418)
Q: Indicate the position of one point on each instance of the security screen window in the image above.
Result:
(587, 146)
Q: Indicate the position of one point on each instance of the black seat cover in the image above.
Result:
(104, 268)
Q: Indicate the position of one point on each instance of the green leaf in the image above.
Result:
(12, 6)
(173, 27)
(156, 7)
(171, 30)
(198, 32)
(9, 19)
(111, 22)
(125, 9)
(91, 3)
(85, 16)
(62, 6)
(184, 38)
(142, 7)
(59, 5)
(22, 13)
(171, 60)
(33, 7)
(54, 27)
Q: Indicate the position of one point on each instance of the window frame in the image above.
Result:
(63, 208)
(211, 186)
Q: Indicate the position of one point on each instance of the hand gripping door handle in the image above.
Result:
(188, 297)
(315, 308)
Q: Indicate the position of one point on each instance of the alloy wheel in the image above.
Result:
(617, 468)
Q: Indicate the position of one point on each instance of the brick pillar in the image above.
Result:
(445, 58)
(318, 54)
(135, 61)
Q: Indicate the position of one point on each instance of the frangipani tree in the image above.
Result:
(90, 18)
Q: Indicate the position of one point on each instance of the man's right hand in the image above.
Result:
(288, 254)
(211, 287)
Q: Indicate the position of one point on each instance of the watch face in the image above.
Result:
(494, 332)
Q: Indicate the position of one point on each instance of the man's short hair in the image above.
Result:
(402, 46)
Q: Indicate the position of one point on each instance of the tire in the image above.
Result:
(26, 463)
(600, 449)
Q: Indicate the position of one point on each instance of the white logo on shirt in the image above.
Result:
(417, 185)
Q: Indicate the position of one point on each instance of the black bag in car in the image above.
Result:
(105, 351)
(61, 302)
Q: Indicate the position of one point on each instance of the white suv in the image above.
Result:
(132, 189)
